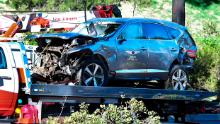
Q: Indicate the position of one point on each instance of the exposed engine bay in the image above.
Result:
(53, 63)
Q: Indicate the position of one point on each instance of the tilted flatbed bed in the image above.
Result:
(51, 92)
(177, 100)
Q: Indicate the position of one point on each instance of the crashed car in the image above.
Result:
(117, 48)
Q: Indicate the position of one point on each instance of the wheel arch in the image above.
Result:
(102, 58)
(81, 54)
(175, 62)
(88, 53)
(82, 51)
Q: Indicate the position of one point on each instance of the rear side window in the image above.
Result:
(172, 32)
(188, 39)
(155, 31)
(132, 31)
(3, 64)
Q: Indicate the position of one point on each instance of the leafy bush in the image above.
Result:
(209, 28)
(202, 3)
(52, 5)
(142, 3)
(65, 5)
(30, 42)
(207, 65)
(133, 112)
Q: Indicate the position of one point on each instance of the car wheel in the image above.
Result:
(92, 73)
(178, 79)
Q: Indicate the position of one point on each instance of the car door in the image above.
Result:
(161, 50)
(8, 81)
(131, 53)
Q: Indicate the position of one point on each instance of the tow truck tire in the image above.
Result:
(92, 73)
(178, 79)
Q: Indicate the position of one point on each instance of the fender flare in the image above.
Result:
(79, 53)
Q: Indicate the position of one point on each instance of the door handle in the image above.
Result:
(173, 49)
(143, 48)
(5, 77)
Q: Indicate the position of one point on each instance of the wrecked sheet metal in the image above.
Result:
(55, 64)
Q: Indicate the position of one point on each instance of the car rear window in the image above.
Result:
(189, 40)
(173, 33)
(155, 31)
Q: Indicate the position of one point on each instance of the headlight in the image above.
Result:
(74, 42)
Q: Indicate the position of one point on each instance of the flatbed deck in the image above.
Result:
(82, 92)
(158, 98)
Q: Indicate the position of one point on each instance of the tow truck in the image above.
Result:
(22, 102)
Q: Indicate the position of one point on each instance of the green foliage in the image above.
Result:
(210, 28)
(56, 5)
(207, 65)
(133, 112)
(142, 3)
(202, 3)
(30, 42)
(66, 5)
(25, 4)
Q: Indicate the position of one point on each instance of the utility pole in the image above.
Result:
(178, 11)
(85, 6)
(135, 5)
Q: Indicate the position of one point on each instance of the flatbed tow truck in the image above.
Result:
(23, 102)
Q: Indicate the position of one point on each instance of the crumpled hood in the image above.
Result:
(66, 35)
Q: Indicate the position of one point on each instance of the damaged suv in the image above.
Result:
(117, 48)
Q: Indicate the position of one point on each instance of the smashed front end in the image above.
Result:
(54, 64)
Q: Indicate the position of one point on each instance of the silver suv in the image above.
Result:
(119, 48)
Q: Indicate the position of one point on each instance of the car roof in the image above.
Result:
(128, 20)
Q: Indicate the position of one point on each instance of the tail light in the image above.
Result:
(191, 53)
(21, 75)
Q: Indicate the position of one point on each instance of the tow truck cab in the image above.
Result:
(15, 78)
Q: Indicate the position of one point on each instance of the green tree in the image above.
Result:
(56, 5)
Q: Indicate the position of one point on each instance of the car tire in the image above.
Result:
(92, 73)
(178, 79)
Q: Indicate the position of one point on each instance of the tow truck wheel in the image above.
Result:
(93, 73)
(178, 79)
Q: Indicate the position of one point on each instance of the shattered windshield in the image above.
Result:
(97, 29)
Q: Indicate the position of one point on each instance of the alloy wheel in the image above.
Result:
(179, 80)
(93, 75)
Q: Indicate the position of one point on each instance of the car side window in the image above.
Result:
(173, 33)
(132, 31)
(3, 64)
(154, 31)
(188, 40)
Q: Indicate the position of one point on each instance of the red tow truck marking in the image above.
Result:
(7, 109)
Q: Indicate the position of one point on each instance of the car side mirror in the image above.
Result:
(121, 39)
(106, 38)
